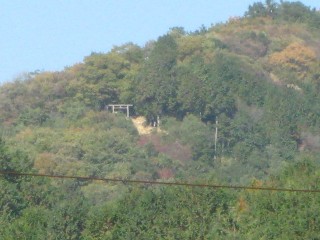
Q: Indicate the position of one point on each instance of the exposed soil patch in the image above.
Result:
(174, 150)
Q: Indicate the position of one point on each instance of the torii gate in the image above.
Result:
(115, 107)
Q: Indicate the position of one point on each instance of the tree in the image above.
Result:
(294, 11)
(156, 85)
(260, 9)
(166, 213)
(296, 56)
(192, 87)
(284, 215)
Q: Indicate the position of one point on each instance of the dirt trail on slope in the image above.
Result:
(141, 125)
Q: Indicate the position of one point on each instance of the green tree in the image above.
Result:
(167, 213)
(259, 9)
(156, 85)
(193, 87)
(284, 215)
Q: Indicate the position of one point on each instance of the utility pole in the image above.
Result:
(216, 139)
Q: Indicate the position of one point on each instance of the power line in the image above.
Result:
(161, 183)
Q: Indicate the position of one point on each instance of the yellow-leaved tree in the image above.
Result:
(296, 57)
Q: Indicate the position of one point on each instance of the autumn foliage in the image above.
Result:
(297, 57)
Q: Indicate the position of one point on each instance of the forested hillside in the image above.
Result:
(254, 80)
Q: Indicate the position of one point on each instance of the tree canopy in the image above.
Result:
(235, 104)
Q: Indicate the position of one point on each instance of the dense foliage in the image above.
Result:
(254, 80)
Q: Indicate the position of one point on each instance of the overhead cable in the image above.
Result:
(185, 184)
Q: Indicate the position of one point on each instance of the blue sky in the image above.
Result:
(52, 34)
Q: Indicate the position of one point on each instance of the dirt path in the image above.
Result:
(142, 127)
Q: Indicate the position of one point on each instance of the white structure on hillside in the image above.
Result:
(116, 107)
